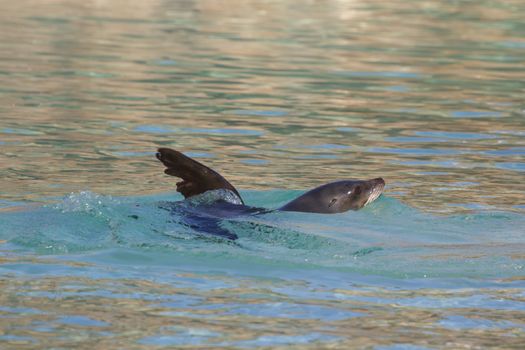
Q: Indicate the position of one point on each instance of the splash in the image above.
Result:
(210, 197)
(86, 201)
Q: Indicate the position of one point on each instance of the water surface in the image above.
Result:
(279, 97)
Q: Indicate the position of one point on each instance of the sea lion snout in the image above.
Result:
(378, 183)
(376, 186)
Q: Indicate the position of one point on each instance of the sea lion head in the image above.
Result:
(356, 194)
(338, 197)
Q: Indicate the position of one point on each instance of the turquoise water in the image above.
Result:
(101, 267)
(279, 98)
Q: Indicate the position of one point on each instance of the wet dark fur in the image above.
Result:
(196, 178)
(335, 197)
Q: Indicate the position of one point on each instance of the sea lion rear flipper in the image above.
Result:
(196, 177)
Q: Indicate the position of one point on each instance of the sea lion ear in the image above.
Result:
(197, 178)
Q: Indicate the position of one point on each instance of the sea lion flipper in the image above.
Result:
(196, 177)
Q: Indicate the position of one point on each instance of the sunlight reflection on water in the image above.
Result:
(279, 97)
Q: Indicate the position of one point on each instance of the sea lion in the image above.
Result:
(196, 177)
(334, 197)
(338, 197)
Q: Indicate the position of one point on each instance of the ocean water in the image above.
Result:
(95, 269)
(95, 246)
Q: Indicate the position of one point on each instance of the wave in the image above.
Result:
(387, 238)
